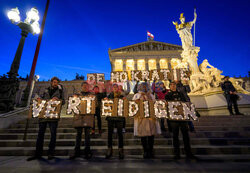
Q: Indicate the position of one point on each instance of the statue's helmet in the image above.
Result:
(182, 16)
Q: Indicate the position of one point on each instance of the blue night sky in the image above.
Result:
(78, 33)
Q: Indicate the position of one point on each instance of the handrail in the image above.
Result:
(14, 112)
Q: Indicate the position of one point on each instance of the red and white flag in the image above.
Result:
(150, 35)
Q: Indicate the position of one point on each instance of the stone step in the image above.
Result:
(201, 119)
(131, 150)
(138, 162)
(128, 129)
(221, 124)
(128, 135)
(131, 120)
(134, 141)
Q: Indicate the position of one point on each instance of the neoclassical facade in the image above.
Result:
(147, 55)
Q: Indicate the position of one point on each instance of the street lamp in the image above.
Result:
(10, 85)
(30, 25)
(35, 79)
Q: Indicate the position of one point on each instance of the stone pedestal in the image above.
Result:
(216, 104)
(190, 56)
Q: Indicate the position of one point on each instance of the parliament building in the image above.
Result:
(148, 55)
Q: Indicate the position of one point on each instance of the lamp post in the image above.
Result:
(30, 25)
(11, 84)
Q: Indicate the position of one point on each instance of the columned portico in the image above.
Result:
(147, 55)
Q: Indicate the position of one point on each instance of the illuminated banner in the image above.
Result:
(81, 105)
(47, 109)
(97, 77)
(136, 75)
(173, 110)
(162, 74)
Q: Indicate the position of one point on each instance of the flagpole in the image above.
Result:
(32, 71)
(33, 67)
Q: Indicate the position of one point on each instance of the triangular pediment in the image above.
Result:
(148, 46)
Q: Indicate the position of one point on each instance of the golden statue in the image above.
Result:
(184, 31)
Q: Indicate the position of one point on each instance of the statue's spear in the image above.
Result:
(194, 25)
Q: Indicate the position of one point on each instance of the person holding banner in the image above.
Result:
(160, 91)
(125, 94)
(99, 97)
(174, 95)
(54, 92)
(146, 128)
(83, 121)
(113, 122)
(185, 89)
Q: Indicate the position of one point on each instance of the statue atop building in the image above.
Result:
(204, 78)
(184, 31)
(190, 52)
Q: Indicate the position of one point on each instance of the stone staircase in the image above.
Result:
(216, 136)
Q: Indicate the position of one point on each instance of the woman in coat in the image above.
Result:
(146, 128)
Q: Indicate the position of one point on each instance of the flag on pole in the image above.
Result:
(150, 35)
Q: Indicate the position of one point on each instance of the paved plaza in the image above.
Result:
(130, 164)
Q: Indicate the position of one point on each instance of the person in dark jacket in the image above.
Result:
(54, 92)
(125, 94)
(79, 123)
(185, 89)
(230, 95)
(99, 97)
(174, 95)
(113, 122)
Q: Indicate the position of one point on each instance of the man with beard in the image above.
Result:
(54, 92)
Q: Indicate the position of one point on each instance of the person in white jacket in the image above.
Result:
(146, 128)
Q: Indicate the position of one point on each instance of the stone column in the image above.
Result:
(146, 63)
(135, 64)
(169, 65)
(112, 65)
(157, 63)
(124, 65)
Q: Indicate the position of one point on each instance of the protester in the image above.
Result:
(125, 94)
(160, 91)
(174, 95)
(54, 92)
(113, 122)
(135, 90)
(185, 89)
(80, 122)
(99, 97)
(231, 96)
(146, 128)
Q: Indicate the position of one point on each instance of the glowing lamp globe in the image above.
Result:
(36, 28)
(13, 15)
(32, 16)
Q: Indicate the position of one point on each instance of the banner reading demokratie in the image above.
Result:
(151, 75)
(116, 107)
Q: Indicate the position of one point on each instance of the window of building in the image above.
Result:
(130, 65)
(163, 64)
(118, 65)
(151, 64)
(140, 64)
